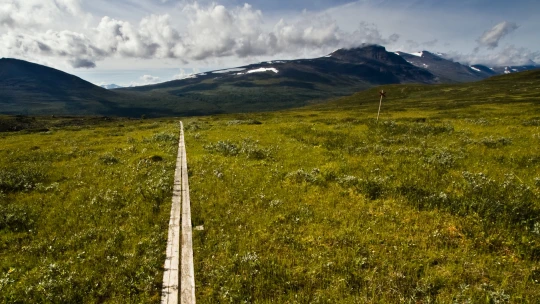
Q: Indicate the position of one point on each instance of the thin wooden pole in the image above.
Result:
(380, 104)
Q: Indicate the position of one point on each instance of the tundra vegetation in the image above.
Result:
(438, 202)
(84, 209)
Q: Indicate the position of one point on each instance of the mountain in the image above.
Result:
(446, 70)
(514, 69)
(377, 58)
(484, 69)
(284, 84)
(111, 86)
(32, 89)
(26, 85)
(27, 88)
(452, 72)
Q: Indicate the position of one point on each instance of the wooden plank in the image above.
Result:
(187, 277)
(169, 292)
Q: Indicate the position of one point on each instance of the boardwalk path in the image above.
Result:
(175, 264)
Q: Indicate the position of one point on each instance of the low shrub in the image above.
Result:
(20, 178)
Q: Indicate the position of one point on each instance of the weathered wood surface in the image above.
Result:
(175, 258)
(187, 280)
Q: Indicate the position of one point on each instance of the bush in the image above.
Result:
(441, 159)
(225, 147)
(373, 188)
(15, 218)
(247, 147)
(492, 142)
(509, 203)
(532, 123)
(244, 122)
(300, 176)
(165, 137)
(108, 159)
(20, 179)
(391, 127)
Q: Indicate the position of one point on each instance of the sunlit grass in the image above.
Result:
(438, 202)
(425, 206)
(84, 212)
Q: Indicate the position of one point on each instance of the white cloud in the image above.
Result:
(211, 34)
(184, 74)
(18, 14)
(74, 47)
(491, 37)
(213, 31)
(369, 33)
(509, 55)
(152, 38)
(145, 80)
(149, 79)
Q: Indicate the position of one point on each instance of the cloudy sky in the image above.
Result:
(134, 42)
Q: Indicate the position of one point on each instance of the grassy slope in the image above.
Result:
(439, 202)
(518, 87)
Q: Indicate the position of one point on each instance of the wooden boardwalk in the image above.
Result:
(179, 264)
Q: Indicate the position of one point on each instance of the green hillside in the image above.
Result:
(511, 88)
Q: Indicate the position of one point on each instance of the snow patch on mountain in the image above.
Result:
(228, 71)
(261, 70)
(417, 54)
(475, 69)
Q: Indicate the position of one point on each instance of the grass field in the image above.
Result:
(84, 211)
(438, 202)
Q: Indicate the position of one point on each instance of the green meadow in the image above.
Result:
(84, 210)
(438, 202)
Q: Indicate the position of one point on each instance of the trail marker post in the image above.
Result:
(383, 94)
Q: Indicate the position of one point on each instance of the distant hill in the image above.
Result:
(446, 70)
(28, 88)
(514, 69)
(111, 86)
(506, 88)
(32, 89)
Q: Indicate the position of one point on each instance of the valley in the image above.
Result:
(439, 201)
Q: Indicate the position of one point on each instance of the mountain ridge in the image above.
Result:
(28, 88)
